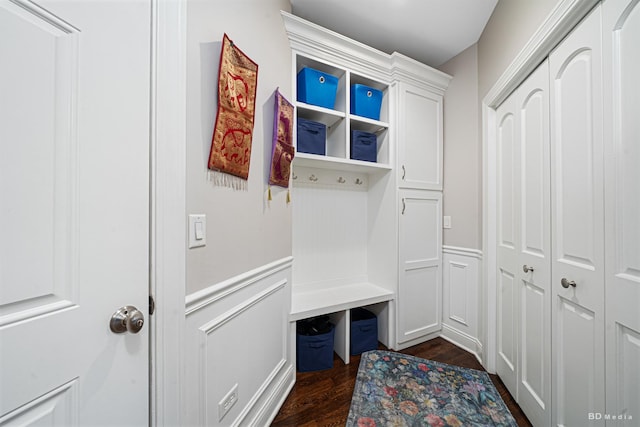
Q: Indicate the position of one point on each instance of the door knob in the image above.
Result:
(566, 283)
(127, 318)
(526, 268)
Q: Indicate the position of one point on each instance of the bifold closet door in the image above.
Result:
(621, 33)
(524, 260)
(577, 223)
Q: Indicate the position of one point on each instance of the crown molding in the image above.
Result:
(313, 40)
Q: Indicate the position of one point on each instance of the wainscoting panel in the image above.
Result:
(239, 366)
(461, 293)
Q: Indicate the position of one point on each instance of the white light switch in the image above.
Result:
(446, 222)
(197, 231)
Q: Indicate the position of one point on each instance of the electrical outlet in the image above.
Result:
(227, 402)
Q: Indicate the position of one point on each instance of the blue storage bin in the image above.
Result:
(317, 88)
(312, 137)
(364, 331)
(366, 101)
(364, 146)
(314, 352)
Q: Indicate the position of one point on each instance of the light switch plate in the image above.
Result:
(446, 221)
(197, 231)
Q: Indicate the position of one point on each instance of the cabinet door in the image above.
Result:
(621, 27)
(420, 249)
(419, 138)
(577, 223)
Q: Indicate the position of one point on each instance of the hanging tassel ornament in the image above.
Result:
(269, 194)
(288, 196)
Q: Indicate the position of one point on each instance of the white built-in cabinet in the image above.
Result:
(421, 136)
(361, 236)
(420, 265)
(568, 222)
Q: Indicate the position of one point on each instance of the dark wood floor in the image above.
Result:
(322, 398)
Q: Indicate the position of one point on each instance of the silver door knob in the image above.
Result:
(127, 318)
(566, 283)
(526, 268)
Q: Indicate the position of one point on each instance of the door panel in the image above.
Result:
(534, 352)
(421, 136)
(74, 210)
(508, 242)
(577, 219)
(621, 30)
(420, 284)
(523, 197)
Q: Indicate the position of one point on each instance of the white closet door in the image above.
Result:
(577, 225)
(508, 152)
(524, 261)
(621, 33)
(534, 286)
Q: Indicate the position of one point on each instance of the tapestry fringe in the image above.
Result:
(221, 179)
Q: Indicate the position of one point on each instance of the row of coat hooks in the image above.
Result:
(329, 177)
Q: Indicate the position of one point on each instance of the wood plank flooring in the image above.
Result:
(322, 398)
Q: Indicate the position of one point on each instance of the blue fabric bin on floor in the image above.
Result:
(364, 331)
(317, 88)
(365, 101)
(312, 137)
(314, 352)
(364, 146)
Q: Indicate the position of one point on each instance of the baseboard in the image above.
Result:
(462, 340)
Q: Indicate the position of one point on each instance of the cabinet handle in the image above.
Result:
(566, 283)
(404, 172)
(526, 268)
(404, 205)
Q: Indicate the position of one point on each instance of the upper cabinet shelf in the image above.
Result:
(339, 151)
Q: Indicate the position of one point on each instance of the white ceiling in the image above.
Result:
(431, 31)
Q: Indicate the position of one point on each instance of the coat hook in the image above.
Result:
(358, 181)
(341, 180)
(294, 176)
(313, 178)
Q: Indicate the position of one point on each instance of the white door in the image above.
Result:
(420, 260)
(74, 210)
(534, 258)
(508, 153)
(621, 32)
(420, 135)
(577, 224)
(524, 262)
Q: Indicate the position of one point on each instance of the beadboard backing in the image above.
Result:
(329, 228)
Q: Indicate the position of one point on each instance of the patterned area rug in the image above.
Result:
(395, 389)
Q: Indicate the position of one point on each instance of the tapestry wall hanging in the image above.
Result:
(282, 151)
(237, 82)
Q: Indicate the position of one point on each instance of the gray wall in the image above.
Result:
(462, 152)
(510, 27)
(244, 230)
(474, 72)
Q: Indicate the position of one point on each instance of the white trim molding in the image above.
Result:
(558, 24)
(168, 209)
(455, 250)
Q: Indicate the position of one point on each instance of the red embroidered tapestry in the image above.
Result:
(237, 82)
(282, 150)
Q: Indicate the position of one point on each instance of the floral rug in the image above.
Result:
(395, 389)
